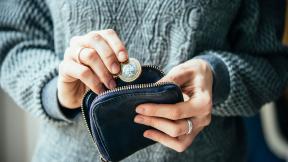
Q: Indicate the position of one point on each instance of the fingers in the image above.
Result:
(102, 51)
(173, 128)
(168, 111)
(108, 46)
(70, 70)
(96, 41)
(115, 43)
(178, 75)
(177, 111)
(170, 120)
(91, 58)
(173, 134)
(174, 143)
(178, 144)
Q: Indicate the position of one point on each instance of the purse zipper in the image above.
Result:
(86, 124)
(128, 87)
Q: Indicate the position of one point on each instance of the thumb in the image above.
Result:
(176, 79)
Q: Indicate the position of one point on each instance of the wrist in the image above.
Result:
(51, 104)
(67, 97)
(66, 111)
(220, 75)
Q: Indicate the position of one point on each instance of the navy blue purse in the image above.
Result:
(110, 115)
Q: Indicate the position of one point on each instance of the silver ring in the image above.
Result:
(78, 54)
(190, 126)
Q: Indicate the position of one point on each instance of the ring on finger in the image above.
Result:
(79, 53)
(190, 126)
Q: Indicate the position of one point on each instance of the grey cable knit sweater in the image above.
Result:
(239, 38)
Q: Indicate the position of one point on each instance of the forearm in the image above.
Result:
(25, 73)
(28, 61)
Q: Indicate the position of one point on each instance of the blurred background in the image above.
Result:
(18, 132)
(267, 133)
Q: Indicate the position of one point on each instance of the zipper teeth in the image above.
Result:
(128, 87)
(135, 86)
(151, 66)
(86, 124)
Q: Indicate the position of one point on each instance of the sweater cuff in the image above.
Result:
(51, 103)
(221, 78)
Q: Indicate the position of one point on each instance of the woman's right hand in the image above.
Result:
(89, 62)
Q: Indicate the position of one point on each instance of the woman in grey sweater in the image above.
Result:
(224, 54)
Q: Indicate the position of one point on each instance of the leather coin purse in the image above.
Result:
(110, 116)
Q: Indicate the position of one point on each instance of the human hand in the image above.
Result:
(90, 62)
(170, 120)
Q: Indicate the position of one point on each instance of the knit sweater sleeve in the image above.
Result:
(257, 65)
(28, 61)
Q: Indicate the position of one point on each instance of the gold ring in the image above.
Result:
(78, 54)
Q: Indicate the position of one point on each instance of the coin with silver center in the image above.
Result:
(131, 70)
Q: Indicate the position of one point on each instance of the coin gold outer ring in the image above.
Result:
(138, 72)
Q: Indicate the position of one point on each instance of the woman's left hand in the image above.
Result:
(170, 120)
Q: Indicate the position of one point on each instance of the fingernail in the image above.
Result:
(112, 84)
(138, 119)
(115, 68)
(140, 110)
(122, 56)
